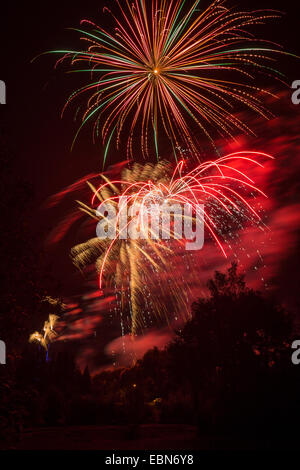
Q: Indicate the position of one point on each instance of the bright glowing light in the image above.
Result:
(209, 61)
(49, 333)
(135, 267)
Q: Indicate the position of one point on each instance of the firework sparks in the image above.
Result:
(126, 270)
(49, 333)
(133, 266)
(167, 66)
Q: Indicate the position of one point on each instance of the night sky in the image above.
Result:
(39, 141)
(36, 93)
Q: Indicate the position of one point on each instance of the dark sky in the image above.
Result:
(36, 94)
(39, 140)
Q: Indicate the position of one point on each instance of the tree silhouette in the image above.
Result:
(235, 339)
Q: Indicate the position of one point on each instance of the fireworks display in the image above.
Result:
(134, 266)
(151, 209)
(49, 333)
(131, 265)
(168, 78)
(151, 228)
(173, 70)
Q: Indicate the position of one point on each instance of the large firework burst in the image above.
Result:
(168, 68)
(132, 266)
(138, 268)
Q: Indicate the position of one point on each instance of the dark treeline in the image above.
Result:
(228, 372)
